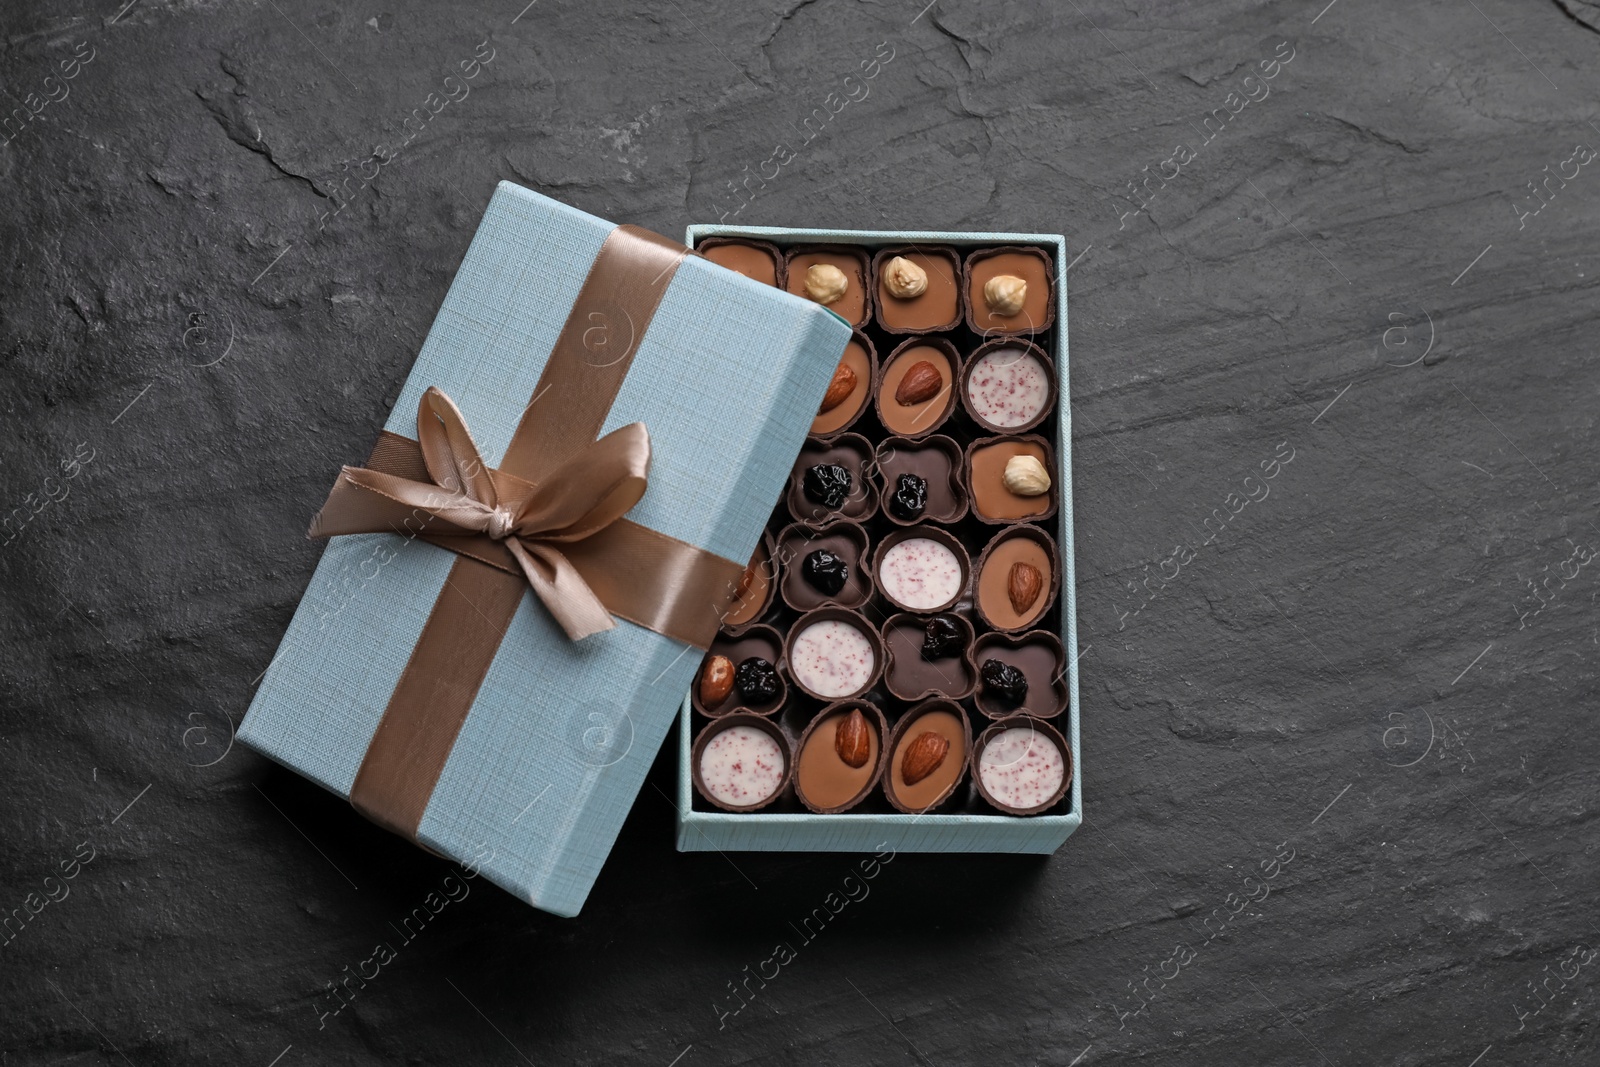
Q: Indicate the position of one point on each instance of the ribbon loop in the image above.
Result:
(466, 499)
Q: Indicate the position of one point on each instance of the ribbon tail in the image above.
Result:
(563, 591)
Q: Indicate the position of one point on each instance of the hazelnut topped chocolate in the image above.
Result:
(759, 261)
(918, 290)
(1010, 478)
(916, 388)
(1009, 290)
(836, 278)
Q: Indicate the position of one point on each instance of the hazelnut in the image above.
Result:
(1026, 476)
(1004, 293)
(825, 283)
(904, 279)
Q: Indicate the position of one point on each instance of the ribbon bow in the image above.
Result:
(466, 499)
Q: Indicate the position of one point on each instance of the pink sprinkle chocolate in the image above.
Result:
(1021, 768)
(741, 766)
(920, 573)
(831, 659)
(1007, 387)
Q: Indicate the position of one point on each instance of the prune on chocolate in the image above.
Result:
(757, 680)
(910, 496)
(827, 484)
(942, 638)
(1004, 681)
(826, 571)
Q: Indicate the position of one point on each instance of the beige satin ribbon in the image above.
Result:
(467, 500)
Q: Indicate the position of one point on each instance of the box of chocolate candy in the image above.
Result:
(898, 669)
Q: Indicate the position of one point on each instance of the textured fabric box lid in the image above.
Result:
(727, 378)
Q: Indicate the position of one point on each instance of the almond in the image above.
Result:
(921, 383)
(716, 681)
(853, 739)
(923, 756)
(1023, 586)
(843, 384)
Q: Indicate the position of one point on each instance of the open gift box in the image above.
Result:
(430, 673)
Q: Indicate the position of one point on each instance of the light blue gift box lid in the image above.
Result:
(727, 379)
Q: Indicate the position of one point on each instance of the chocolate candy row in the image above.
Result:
(833, 653)
(1005, 385)
(847, 755)
(913, 568)
(918, 289)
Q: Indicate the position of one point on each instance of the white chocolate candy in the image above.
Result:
(920, 573)
(741, 766)
(1021, 768)
(832, 659)
(1008, 387)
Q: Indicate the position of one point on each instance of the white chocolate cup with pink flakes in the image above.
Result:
(1021, 766)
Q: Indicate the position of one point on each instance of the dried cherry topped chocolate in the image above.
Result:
(943, 638)
(910, 496)
(827, 484)
(826, 571)
(1004, 681)
(757, 680)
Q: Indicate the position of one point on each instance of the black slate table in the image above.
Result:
(1337, 723)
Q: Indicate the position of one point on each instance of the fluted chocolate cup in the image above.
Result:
(938, 307)
(910, 675)
(833, 653)
(824, 778)
(721, 777)
(757, 640)
(1033, 266)
(861, 357)
(759, 261)
(916, 575)
(1019, 562)
(756, 590)
(946, 719)
(841, 537)
(939, 462)
(1008, 386)
(1039, 656)
(848, 450)
(920, 407)
(992, 501)
(855, 306)
(1015, 764)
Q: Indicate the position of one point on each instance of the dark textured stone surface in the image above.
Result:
(1353, 667)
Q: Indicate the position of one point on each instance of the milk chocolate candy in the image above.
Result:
(1021, 765)
(757, 641)
(939, 462)
(756, 589)
(945, 720)
(849, 451)
(992, 501)
(862, 359)
(833, 653)
(916, 388)
(1033, 266)
(1037, 654)
(937, 307)
(911, 675)
(1008, 386)
(840, 756)
(855, 304)
(921, 568)
(741, 762)
(841, 538)
(1001, 588)
(757, 260)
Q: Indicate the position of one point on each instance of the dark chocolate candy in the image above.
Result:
(910, 496)
(826, 571)
(943, 638)
(1003, 681)
(757, 680)
(827, 484)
